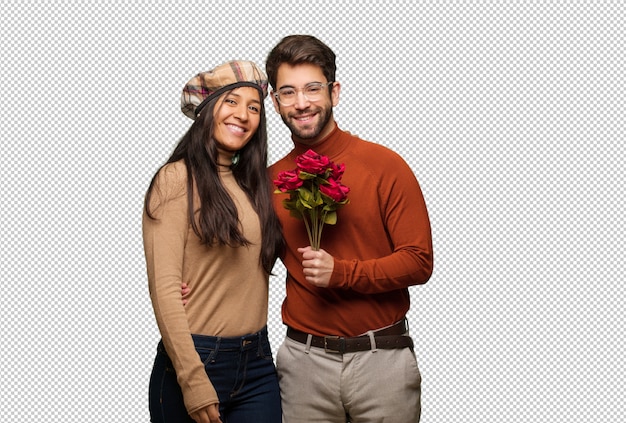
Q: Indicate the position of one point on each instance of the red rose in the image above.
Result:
(337, 171)
(311, 162)
(288, 180)
(335, 190)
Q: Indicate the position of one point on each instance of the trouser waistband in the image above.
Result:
(392, 337)
(223, 343)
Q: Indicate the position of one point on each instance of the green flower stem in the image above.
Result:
(308, 227)
(319, 232)
(315, 224)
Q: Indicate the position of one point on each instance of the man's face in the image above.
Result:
(308, 120)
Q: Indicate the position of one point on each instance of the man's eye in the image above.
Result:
(313, 90)
(287, 93)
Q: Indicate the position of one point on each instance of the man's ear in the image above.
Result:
(334, 94)
(275, 102)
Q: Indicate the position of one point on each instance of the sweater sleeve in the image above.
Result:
(404, 217)
(164, 239)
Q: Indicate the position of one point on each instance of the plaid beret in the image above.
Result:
(207, 85)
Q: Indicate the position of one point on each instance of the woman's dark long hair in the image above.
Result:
(218, 222)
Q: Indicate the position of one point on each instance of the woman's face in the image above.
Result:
(236, 118)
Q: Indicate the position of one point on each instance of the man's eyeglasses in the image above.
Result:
(314, 91)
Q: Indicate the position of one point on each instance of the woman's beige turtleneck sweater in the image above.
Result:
(229, 288)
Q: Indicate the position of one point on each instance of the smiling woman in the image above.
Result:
(209, 222)
(235, 120)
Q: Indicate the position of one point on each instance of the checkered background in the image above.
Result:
(512, 115)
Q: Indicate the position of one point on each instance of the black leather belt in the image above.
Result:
(392, 337)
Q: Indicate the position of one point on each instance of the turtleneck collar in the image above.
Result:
(224, 171)
(332, 145)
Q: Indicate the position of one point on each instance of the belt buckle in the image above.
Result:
(341, 344)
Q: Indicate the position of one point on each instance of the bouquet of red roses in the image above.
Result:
(315, 192)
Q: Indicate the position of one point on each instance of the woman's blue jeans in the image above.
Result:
(241, 370)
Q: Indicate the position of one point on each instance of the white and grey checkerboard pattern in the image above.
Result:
(512, 115)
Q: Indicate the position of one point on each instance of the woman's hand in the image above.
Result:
(209, 414)
(184, 292)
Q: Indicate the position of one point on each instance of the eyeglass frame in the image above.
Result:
(320, 84)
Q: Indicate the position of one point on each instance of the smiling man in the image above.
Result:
(306, 111)
(348, 355)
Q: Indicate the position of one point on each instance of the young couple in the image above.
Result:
(213, 229)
